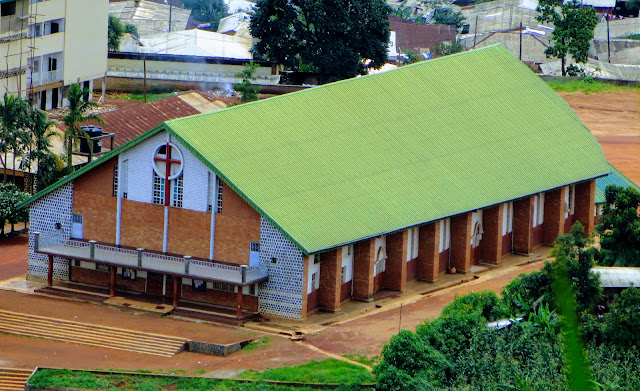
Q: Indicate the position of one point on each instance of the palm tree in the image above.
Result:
(13, 119)
(79, 103)
(39, 144)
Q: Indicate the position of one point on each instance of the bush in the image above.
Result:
(623, 321)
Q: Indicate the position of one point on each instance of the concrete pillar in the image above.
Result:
(176, 290)
(428, 252)
(461, 242)
(330, 280)
(522, 225)
(112, 282)
(239, 303)
(491, 243)
(364, 254)
(395, 275)
(585, 205)
(553, 215)
(50, 271)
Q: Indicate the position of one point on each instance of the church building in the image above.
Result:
(299, 202)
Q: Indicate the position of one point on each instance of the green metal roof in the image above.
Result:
(367, 156)
(372, 155)
(615, 178)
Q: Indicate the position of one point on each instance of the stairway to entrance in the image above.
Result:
(13, 379)
(88, 334)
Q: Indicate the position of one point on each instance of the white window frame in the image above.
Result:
(445, 234)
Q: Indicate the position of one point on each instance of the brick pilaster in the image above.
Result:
(330, 280)
(491, 243)
(428, 252)
(461, 242)
(364, 254)
(553, 215)
(395, 275)
(585, 205)
(522, 225)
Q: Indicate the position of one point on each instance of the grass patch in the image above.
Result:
(632, 36)
(46, 378)
(363, 359)
(586, 87)
(325, 371)
(257, 344)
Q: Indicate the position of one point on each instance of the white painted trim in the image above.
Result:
(165, 234)
(119, 201)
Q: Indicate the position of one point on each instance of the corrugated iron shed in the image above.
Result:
(618, 277)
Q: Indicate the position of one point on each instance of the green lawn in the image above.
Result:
(585, 86)
(326, 371)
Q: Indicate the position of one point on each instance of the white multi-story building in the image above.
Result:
(49, 44)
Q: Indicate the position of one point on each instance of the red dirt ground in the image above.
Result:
(614, 120)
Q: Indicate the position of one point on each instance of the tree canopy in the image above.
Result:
(207, 11)
(619, 228)
(573, 31)
(333, 38)
(79, 104)
(115, 32)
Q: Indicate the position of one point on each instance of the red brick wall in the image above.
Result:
(215, 296)
(93, 199)
(142, 225)
(522, 225)
(586, 204)
(553, 215)
(395, 275)
(329, 284)
(190, 232)
(363, 260)
(428, 261)
(461, 242)
(236, 227)
(491, 243)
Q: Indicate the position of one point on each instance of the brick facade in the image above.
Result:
(330, 280)
(553, 215)
(491, 243)
(586, 204)
(461, 242)
(522, 225)
(363, 260)
(395, 275)
(428, 268)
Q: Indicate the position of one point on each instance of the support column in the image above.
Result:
(305, 282)
(428, 252)
(239, 304)
(553, 215)
(176, 290)
(50, 271)
(585, 205)
(461, 242)
(395, 275)
(522, 225)
(330, 280)
(112, 282)
(491, 243)
(364, 254)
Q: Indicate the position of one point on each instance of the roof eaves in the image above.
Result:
(90, 166)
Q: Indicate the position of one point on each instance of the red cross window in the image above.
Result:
(168, 165)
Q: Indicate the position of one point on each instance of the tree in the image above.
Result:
(79, 104)
(335, 38)
(41, 130)
(623, 321)
(633, 5)
(114, 33)
(619, 228)
(10, 196)
(247, 90)
(131, 29)
(207, 11)
(442, 15)
(573, 30)
(13, 119)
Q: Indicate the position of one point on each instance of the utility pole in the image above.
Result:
(520, 41)
(144, 69)
(608, 42)
(170, 12)
(475, 33)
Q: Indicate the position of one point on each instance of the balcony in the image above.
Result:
(39, 79)
(150, 261)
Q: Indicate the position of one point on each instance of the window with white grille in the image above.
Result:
(158, 189)
(178, 192)
(219, 200)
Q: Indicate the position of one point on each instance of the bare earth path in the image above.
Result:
(613, 118)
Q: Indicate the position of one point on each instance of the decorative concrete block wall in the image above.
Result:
(281, 295)
(44, 216)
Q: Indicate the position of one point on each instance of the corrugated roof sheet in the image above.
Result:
(618, 277)
(376, 154)
(615, 178)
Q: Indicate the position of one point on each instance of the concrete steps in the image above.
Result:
(13, 379)
(88, 334)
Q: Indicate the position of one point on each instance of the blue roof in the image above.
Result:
(615, 178)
